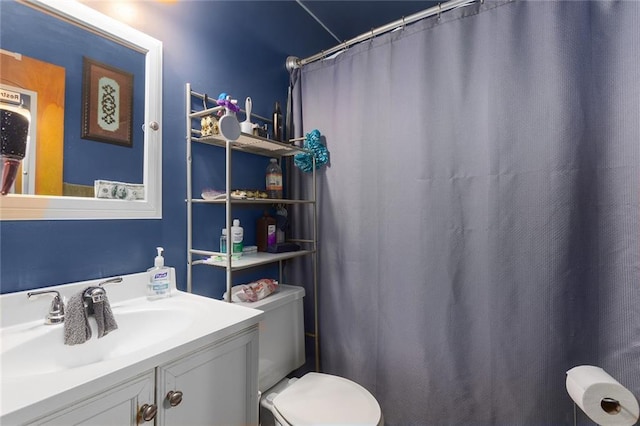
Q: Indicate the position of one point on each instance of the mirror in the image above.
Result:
(129, 152)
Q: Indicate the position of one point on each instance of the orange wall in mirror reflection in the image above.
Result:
(48, 81)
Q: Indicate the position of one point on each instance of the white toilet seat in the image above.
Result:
(318, 398)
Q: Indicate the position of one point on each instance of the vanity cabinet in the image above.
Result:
(116, 406)
(214, 385)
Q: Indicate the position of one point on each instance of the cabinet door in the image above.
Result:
(218, 385)
(117, 406)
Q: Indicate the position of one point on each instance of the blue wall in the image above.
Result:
(238, 47)
(84, 160)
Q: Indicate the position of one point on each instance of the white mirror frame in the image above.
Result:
(39, 207)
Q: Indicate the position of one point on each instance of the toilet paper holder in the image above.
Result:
(601, 397)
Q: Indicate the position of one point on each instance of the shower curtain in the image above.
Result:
(479, 219)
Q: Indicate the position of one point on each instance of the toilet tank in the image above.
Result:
(281, 334)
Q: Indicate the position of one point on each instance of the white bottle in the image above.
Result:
(159, 278)
(237, 235)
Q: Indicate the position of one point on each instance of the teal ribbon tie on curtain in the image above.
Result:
(304, 161)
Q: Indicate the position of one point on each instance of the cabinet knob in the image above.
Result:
(147, 412)
(174, 398)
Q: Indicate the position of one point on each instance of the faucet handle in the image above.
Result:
(97, 294)
(56, 311)
(110, 281)
(94, 294)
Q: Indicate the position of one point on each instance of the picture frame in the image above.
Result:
(107, 103)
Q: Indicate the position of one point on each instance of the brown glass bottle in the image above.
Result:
(265, 232)
(277, 122)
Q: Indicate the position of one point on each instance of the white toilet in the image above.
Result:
(315, 398)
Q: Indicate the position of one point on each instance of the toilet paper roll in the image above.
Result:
(601, 397)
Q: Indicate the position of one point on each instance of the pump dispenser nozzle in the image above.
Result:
(159, 260)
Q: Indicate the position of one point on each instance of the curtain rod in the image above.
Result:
(294, 62)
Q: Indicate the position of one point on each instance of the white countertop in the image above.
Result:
(30, 396)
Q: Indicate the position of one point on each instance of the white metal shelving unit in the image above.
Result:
(258, 146)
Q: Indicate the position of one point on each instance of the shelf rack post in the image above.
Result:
(189, 192)
(229, 220)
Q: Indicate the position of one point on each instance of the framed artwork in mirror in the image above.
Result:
(107, 103)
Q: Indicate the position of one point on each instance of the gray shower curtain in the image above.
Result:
(479, 218)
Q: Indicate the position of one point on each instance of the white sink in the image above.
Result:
(35, 348)
(36, 366)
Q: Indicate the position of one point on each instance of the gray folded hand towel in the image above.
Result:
(104, 317)
(76, 323)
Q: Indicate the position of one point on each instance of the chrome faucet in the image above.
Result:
(56, 311)
(96, 294)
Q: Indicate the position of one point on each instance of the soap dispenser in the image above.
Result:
(265, 232)
(159, 285)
